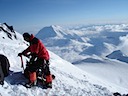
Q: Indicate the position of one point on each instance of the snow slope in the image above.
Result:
(70, 80)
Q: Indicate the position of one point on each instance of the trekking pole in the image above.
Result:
(22, 64)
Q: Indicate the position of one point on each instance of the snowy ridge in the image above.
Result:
(8, 30)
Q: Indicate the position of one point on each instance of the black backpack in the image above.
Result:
(4, 67)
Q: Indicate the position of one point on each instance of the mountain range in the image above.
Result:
(82, 42)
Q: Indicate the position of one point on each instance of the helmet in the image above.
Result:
(26, 35)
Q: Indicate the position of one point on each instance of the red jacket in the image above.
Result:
(37, 47)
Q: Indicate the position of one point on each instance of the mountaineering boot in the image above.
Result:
(49, 81)
(49, 85)
(31, 84)
(32, 77)
(33, 80)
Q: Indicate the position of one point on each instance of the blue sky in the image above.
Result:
(29, 14)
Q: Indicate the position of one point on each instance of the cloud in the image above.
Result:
(124, 45)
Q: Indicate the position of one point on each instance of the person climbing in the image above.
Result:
(39, 57)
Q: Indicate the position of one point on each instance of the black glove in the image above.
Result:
(47, 62)
(19, 54)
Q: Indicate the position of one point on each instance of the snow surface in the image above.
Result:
(70, 80)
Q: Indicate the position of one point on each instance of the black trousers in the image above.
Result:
(40, 63)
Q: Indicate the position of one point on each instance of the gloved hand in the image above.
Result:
(19, 54)
(47, 62)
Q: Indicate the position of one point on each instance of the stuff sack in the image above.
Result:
(4, 65)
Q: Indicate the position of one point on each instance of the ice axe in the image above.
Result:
(22, 64)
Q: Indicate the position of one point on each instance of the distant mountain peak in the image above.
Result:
(117, 54)
(50, 31)
(56, 26)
